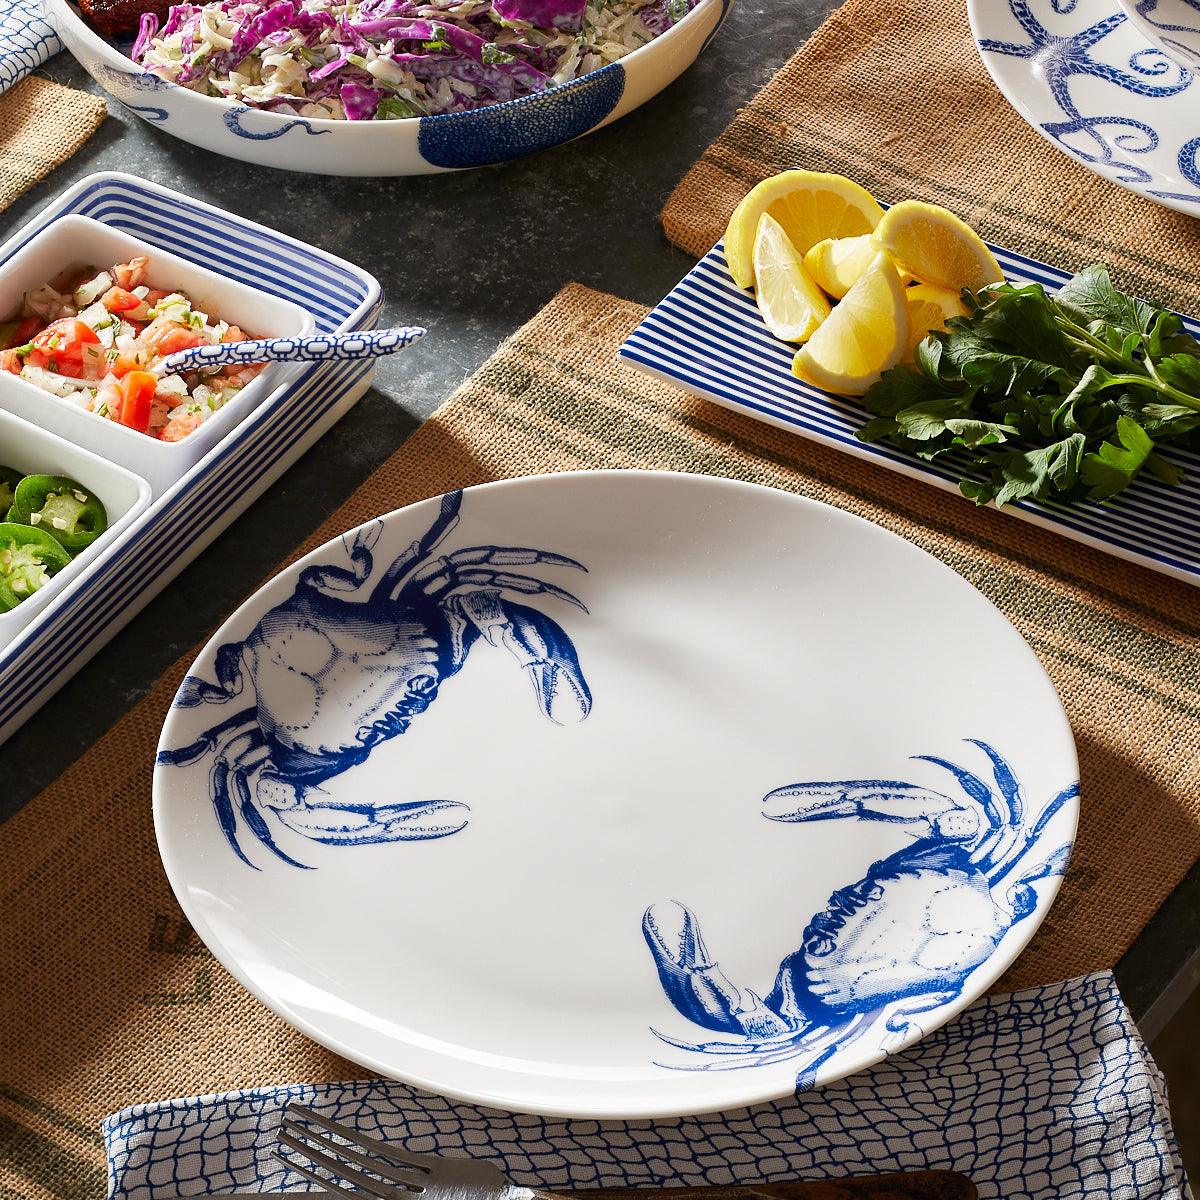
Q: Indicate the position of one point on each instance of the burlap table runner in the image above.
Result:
(109, 998)
(41, 125)
(894, 95)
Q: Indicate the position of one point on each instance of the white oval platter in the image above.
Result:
(616, 794)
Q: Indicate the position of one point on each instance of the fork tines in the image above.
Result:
(334, 1149)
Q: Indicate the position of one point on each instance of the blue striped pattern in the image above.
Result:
(211, 495)
(708, 337)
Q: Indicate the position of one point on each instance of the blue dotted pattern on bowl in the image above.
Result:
(505, 131)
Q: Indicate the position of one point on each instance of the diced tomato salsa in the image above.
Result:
(97, 342)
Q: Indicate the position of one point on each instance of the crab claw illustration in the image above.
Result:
(870, 799)
(695, 984)
(364, 824)
(542, 647)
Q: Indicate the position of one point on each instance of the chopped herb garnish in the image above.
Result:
(393, 107)
(439, 40)
(492, 54)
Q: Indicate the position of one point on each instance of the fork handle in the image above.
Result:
(908, 1185)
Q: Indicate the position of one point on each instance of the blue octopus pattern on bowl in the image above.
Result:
(971, 868)
(235, 122)
(390, 650)
(125, 85)
(1105, 135)
(515, 128)
(1169, 29)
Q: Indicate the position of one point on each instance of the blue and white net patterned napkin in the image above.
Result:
(1045, 1093)
(26, 40)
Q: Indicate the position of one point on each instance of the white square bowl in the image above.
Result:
(77, 241)
(125, 496)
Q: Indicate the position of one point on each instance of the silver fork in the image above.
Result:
(390, 1174)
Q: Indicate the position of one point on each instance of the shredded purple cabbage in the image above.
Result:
(359, 101)
(147, 28)
(547, 14)
(657, 17)
(423, 55)
(279, 16)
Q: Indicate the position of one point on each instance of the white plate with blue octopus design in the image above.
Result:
(1087, 79)
(616, 794)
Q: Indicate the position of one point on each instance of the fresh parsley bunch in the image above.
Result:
(1053, 397)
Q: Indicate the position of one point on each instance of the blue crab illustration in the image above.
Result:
(333, 677)
(1097, 138)
(967, 871)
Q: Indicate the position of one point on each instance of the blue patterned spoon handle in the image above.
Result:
(319, 347)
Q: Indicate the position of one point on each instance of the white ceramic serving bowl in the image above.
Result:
(417, 146)
(33, 451)
(1172, 25)
(78, 241)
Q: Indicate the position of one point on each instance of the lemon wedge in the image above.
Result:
(936, 247)
(837, 264)
(792, 306)
(810, 205)
(929, 308)
(864, 336)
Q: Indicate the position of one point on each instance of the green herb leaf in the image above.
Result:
(1169, 473)
(1181, 371)
(929, 356)
(975, 433)
(1017, 322)
(1115, 465)
(876, 429)
(927, 420)
(1091, 295)
(1034, 473)
(898, 389)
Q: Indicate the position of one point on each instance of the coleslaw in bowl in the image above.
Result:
(392, 59)
(459, 131)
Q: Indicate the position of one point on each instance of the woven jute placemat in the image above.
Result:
(42, 124)
(895, 95)
(110, 999)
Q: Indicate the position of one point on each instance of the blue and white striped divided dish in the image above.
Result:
(1046, 1094)
(707, 336)
(180, 523)
(26, 40)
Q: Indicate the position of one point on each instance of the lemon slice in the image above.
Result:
(864, 336)
(934, 246)
(929, 308)
(792, 306)
(837, 264)
(810, 205)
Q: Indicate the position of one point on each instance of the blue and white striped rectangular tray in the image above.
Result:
(187, 517)
(707, 336)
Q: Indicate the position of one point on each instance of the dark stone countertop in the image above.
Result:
(471, 256)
